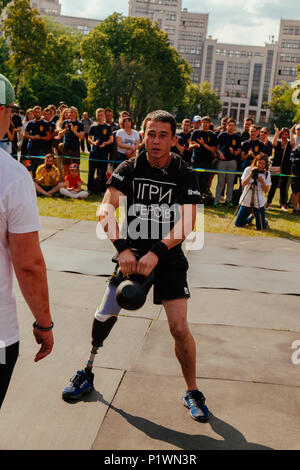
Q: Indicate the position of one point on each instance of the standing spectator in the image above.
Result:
(128, 139)
(38, 133)
(72, 133)
(72, 184)
(112, 149)
(47, 177)
(245, 135)
(297, 135)
(47, 117)
(196, 122)
(295, 160)
(54, 114)
(29, 116)
(7, 139)
(64, 115)
(250, 148)
(21, 114)
(17, 122)
(19, 249)
(109, 119)
(86, 122)
(281, 163)
(223, 126)
(204, 144)
(229, 149)
(185, 134)
(267, 145)
(100, 137)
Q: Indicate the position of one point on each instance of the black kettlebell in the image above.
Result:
(131, 294)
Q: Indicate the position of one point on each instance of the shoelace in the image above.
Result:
(78, 379)
(196, 398)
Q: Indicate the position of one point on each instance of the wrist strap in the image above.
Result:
(159, 249)
(38, 327)
(121, 245)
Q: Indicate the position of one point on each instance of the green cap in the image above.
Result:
(7, 92)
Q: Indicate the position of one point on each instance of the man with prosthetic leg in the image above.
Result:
(162, 194)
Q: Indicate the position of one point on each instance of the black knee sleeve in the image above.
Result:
(101, 330)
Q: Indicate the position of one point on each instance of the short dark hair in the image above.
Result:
(206, 118)
(162, 116)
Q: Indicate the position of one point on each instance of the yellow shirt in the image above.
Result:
(47, 174)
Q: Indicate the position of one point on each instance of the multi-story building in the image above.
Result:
(187, 31)
(242, 77)
(288, 51)
(53, 8)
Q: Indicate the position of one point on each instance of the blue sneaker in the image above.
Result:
(81, 383)
(195, 401)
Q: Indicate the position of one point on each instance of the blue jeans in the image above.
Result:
(244, 213)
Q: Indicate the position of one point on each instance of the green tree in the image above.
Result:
(26, 34)
(4, 58)
(128, 64)
(199, 100)
(283, 109)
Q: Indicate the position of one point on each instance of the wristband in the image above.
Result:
(159, 249)
(121, 245)
(38, 327)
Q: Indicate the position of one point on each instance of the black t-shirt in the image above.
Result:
(267, 148)
(38, 147)
(202, 156)
(71, 140)
(102, 132)
(186, 137)
(256, 146)
(153, 197)
(225, 141)
(17, 122)
(295, 160)
(282, 157)
(245, 136)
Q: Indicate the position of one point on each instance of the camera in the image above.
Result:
(255, 173)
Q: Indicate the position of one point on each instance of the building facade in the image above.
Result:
(288, 51)
(241, 76)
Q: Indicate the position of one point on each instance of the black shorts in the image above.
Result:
(171, 281)
(295, 184)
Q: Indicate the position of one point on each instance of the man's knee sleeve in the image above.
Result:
(101, 330)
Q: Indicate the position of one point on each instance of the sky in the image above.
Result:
(230, 21)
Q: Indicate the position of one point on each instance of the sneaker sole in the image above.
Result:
(67, 397)
(202, 419)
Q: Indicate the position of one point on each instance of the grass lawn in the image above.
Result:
(216, 220)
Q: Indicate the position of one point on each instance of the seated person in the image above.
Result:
(72, 184)
(47, 177)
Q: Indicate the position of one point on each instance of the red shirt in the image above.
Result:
(72, 182)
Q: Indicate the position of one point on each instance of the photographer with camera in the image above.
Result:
(256, 181)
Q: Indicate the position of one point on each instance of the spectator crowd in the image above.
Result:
(49, 143)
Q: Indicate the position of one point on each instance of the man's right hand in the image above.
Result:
(127, 262)
(45, 338)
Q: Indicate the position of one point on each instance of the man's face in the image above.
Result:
(37, 113)
(247, 125)
(49, 162)
(263, 133)
(158, 139)
(230, 127)
(186, 126)
(109, 116)
(253, 133)
(85, 115)
(196, 124)
(47, 115)
(205, 125)
(100, 116)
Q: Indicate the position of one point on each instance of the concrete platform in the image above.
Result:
(243, 313)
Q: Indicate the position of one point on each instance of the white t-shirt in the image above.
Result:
(127, 139)
(18, 214)
(259, 197)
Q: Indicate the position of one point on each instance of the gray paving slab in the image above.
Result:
(278, 260)
(56, 222)
(243, 278)
(224, 352)
(246, 416)
(242, 308)
(34, 417)
(90, 262)
(72, 239)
